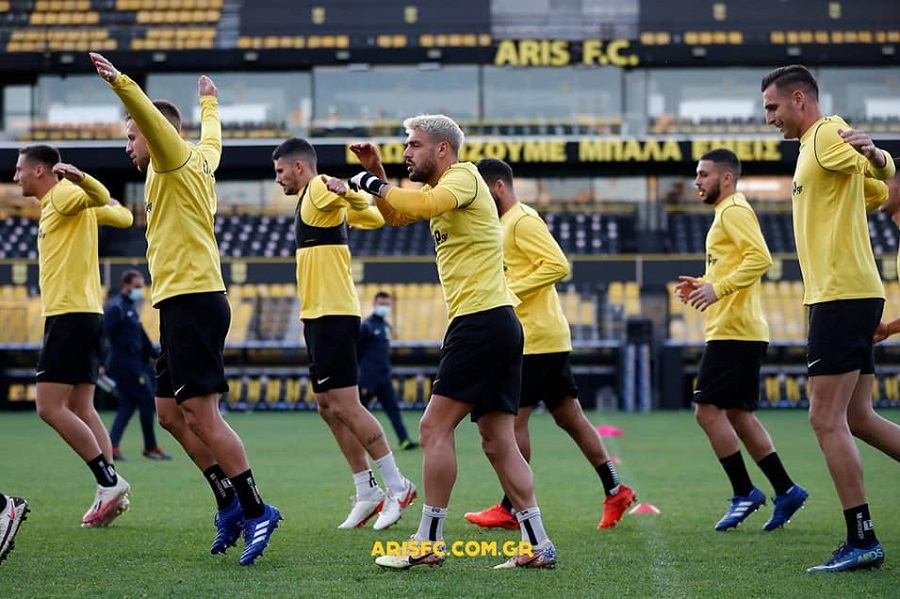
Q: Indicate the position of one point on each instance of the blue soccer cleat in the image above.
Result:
(786, 506)
(848, 558)
(229, 524)
(257, 533)
(741, 508)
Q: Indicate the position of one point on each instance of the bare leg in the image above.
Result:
(437, 430)
(866, 424)
(172, 419)
(752, 433)
(828, 414)
(497, 440)
(53, 407)
(353, 451)
(569, 417)
(203, 418)
(718, 429)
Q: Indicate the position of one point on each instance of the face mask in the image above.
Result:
(136, 293)
(382, 311)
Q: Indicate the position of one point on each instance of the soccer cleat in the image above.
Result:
(435, 556)
(848, 558)
(786, 506)
(495, 516)
(117, 455)
(229, 523)
(109, 504)
(363, 510)
(408, 444)
(156, 454)
(545, 558)
(614, 506)
(12, 517)
(393, 506)
(741, 508)
(257, 532)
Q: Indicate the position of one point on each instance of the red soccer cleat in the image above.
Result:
(614, 506)
(495, 516)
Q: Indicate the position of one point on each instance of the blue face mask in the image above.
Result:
(136, 293)
(382, 311)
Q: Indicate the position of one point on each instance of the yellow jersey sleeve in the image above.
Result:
(210, 144)
(369, 219)
(743, 229)
(114, 216)
(876, 193)
(420, 204)
(550, 266)
(95, 195)
(163, 141)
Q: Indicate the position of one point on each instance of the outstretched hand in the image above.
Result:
(104, 67)
(685, 287)
(207, 87)
(68, 171)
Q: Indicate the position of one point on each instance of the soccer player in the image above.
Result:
(10, 521)
(737, 336)
(376, 379)
(480, 369)
(129, 364)
(534, 263)
(843, 290)
(188, 291)
(331, 319)
(72, 302)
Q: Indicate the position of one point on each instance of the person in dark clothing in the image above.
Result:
(130, 364)
(375, 375)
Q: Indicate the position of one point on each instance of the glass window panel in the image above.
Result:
(556, 94)
(16, 109)
(694, 94)
(76, 99)
(863, 95)
(244, 98)
(356, 95)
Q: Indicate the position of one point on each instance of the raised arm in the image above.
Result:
(167, 150)
(93, 193)
(210, 125)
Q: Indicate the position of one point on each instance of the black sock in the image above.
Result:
(774, 470)
(506, 503)
(2, 502)
(860, 532)
(737, 474)
(221, 486)
(608, 476)
(248, 495)
(104, 472)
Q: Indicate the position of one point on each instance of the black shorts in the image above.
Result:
(729, 374)
(481, 361)
(71, 350)
(840, 336)
(547, 378)
(331, 343)
(192, 331)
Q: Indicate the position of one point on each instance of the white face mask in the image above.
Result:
(136, 293)
(382, 310)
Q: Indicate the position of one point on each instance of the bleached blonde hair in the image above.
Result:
(438, 127)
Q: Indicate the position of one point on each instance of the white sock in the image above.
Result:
(366, 485)
(532, 527)
(393, 480)
(431, 526)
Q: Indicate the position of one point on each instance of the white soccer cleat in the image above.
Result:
(109, 504)
(12, 517)
(394, 506)
(363, 510)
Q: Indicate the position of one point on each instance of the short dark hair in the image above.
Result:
(493, 169)
(296, 148)
(725, 159)
(790, 78)
(168, 110)
(44, 154)
(382, 295)
(129, 275)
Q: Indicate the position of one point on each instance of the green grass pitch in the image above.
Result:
(161, 548)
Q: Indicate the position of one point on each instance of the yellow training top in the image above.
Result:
(736, 259)
(534, 263)
(180, 197)
(830, 197)
(67, 245)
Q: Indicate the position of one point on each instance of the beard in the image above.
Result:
(424, 172)
(712, 196)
